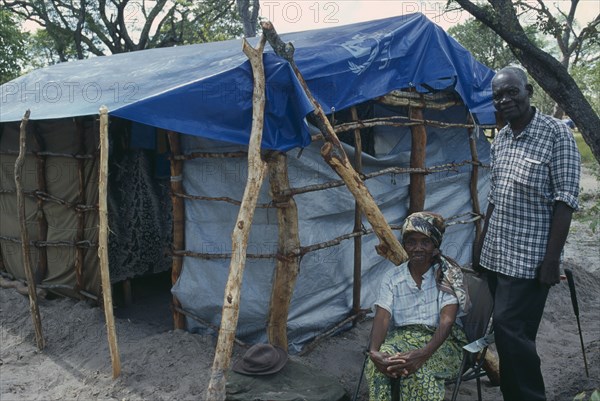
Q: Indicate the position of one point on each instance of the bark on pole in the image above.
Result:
(257, 169)
(417, 160)
(287, 265)
(474, 182)
(103, 245)
(33, 305)
(334, 155)
(42, 265)
(357, 283)
(81, 199)
(178, 205)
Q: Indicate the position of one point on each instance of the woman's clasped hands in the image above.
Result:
(400, 364)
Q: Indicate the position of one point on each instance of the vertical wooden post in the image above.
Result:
(286, 266)
(2, 266)
(42, 265)
(178, 205)
(81, 199)
(474, 181)
(103, 245)
(357, 283)
(127, 295)
(417, 160)
(256, 173)
(33, 305)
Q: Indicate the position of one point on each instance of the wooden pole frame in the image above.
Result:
(42, 265)
(2, 266)
(395, 121)
(474, 182)
(357, 282)
(25, 250)
(287, 265)
(334, 155)
(103, 245)
(81, 200)
(178, 205)
(417, 190)
(257, 169)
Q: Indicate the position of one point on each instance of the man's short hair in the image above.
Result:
(518, 71)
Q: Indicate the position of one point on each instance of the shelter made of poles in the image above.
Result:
(407, 101)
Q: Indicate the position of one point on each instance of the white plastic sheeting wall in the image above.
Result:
(323, 292)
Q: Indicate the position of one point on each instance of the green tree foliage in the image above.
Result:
(503, 17)
(493, 51)
(490, 49)
(12, 46)
(43, 50)
(586, 73)
(200, 22)
(77, 29)
(487, 47)
(572, 43)
(248, 10)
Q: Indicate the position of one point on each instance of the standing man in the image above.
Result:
(534, 188)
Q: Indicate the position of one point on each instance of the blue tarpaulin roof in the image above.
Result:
(206, 89)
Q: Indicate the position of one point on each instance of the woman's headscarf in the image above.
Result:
(429, 224)
(449, 276)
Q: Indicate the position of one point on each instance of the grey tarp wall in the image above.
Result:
(138, 203)
(60, 137)
(323, 292)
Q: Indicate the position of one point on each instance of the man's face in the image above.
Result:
(511, 96)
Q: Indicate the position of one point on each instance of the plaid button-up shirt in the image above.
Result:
(530, 172)
(400, 296)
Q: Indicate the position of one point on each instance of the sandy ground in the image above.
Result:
(162, 364)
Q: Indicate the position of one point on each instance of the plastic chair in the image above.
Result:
(479, 332)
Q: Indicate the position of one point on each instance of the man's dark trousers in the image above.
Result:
(518, 308)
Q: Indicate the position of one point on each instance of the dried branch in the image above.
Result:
(26, 254)
(52, 154)
(209, 155)
(396, 121)
(257, 169)
(222, 199)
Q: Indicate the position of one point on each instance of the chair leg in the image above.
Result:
(479, 389)
(362, 373)
(395, 389)
(463, 364)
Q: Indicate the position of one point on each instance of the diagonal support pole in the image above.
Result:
(332, 151)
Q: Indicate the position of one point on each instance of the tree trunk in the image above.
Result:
(249, 15)
(548, 72)
(557, 82)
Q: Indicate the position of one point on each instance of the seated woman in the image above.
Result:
(414, 335)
